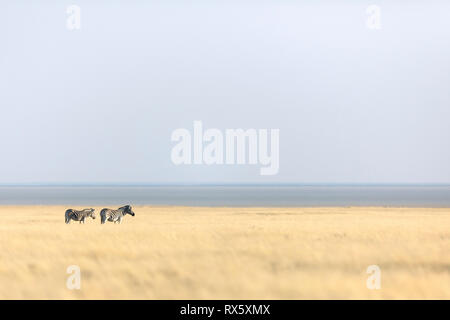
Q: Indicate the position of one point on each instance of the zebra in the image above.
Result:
(79, 215)
(115, 215)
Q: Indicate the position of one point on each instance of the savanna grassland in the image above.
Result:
(227, 253)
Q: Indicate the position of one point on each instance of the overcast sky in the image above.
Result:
(99, 104)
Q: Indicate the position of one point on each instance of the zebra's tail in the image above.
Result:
(67, 216)
(103, 216)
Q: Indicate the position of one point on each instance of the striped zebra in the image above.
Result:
(79, 215)
(115, 215)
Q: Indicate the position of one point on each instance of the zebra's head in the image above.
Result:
(127, 209)
(91, 213)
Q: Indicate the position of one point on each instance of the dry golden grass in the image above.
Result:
(227, 253)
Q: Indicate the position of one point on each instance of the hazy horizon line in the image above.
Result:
(218, 184)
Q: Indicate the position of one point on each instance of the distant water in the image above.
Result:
(285, 196)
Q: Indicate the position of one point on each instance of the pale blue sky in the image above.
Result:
(98, 105)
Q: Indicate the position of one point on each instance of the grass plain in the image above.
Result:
(227, 253)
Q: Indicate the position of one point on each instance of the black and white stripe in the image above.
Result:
(115, 215)
(79, 215)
